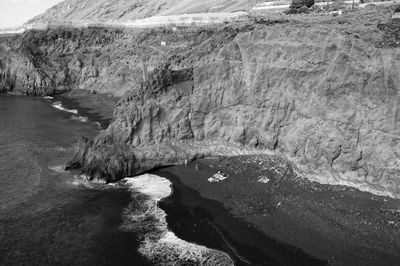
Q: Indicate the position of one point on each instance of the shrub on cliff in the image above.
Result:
(296, 4)
(40, 35)
(53, 34)
(303, 9)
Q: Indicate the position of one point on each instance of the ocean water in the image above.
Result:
(46, 217)
(49, 216)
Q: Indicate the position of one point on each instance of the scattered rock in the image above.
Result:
(263, 179)
(219, 176)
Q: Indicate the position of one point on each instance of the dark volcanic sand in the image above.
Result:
(336, 224)
(207, 222)
(97, 107)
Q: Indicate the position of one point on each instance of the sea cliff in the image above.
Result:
(322, 95)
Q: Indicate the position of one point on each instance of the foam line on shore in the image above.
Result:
(158, 243)
(57, 168)
(82, 119)
(59, 106)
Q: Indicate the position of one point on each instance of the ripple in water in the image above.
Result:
(158, 243)
(20, 175)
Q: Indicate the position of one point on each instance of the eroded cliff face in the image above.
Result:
(326, 100)
(99, 59)
(323, 96)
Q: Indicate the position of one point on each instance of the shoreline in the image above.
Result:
(158, 243)
(337, 224)
(58, 223)
(277, 230)
(96, 107)
(207, 222)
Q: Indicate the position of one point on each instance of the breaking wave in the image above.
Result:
(75, 116)
(59, 106)
(82, 119)
(158, 243)
(81, 181)
(58, 168)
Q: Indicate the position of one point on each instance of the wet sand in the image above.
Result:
(97, 107)
(287, 220)
(340, 225)
(208, 222)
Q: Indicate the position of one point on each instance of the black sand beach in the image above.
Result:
(285, 221)
(97, 107)
(207, 222)
(338, 225)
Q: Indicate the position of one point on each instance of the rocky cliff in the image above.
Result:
(325, 96)
(96, 59)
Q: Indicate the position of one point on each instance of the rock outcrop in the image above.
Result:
(324, 99)
(322, 96)
(98, 59)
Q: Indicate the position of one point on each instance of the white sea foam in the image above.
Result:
(60, 149)
(82, 119)
(82, 180)
(59, 106)
(98, 124)
(57, 168)
(160, 245)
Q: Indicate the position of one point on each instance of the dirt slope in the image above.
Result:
(123, 10)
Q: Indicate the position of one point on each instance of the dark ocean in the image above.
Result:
(47, 217)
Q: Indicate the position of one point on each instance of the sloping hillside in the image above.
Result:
(136, 9)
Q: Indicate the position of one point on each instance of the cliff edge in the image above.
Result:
(325, 99)
(320, 91)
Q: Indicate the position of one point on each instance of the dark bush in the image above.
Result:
(303, 9)
(53, 34)
(40, 35)
(290, 11)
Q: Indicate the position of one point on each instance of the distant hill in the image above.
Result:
(122, 10)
